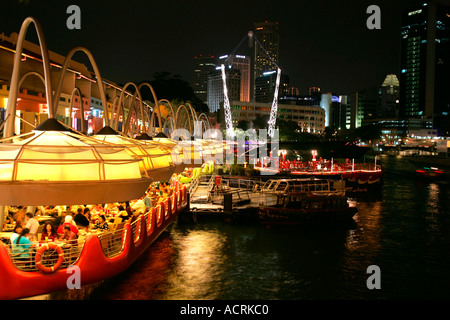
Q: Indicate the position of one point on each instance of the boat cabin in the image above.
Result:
(322, 202)
(304, 186)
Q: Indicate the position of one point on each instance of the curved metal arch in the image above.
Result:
(77, 90)
(97, 75)
(13, 90)
(31, 73)
(194, 114)
(114, 119)
(171, 121)
(205, 121)
(127, 122)
(171, 109)
(188, 117)
(156, 102)
(120, 110)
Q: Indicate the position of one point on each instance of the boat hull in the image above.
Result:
(284, 216)
(92, 264)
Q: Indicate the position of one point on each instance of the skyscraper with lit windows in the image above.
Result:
(425, 64)
(266, 48)
(203, 66)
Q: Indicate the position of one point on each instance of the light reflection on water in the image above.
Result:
(404, 229)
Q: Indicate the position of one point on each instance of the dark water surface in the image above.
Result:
(404, 230)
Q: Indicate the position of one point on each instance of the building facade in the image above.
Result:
(215, 93)
(243, 64)
(32, 108)
(203, 66)
(309, 118)
(266, 48)
(425, 64)
(390, 97)
(265, 86)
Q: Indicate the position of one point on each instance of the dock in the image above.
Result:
(228, 198)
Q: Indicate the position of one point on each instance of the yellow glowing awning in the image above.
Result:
(55, 157)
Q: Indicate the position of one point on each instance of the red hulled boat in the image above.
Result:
(100, 256)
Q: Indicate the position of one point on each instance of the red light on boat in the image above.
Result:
(420, 171)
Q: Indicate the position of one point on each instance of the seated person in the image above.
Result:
(102, 224)
(98, 209)
(21, 245)
(69, 236)
(17, 231)
(123, 213)
(139, 206)
(49, 232)
(68, 220)
(80, 219)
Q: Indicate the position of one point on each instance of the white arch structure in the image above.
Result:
(77, 90)
(97, 75)
(156, 108)
(190, 112)
(53, 101)
(14, 86)
(126, 122)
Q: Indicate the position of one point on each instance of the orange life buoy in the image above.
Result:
(45, 247)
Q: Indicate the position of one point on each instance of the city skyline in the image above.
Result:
(325, 44)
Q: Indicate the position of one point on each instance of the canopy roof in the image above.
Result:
(53, 154)
(156, 156)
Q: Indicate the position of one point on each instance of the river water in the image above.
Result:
(404, 230)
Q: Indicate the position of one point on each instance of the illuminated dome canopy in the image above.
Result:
(157, 159)
(54, 166)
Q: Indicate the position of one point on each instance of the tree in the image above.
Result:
(243, 124)
(260, 122)
(173, 87)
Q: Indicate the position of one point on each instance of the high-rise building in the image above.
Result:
(241, 63)
(215, 87)
(265, 86)
(389, 97)
(266, 48)
(314, 91)
(364, 106)
(203, 66)
(425, 63)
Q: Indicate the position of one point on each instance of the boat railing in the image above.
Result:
(247, 184)
(23, 257)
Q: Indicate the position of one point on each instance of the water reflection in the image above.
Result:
(404, 229)
(197, 271)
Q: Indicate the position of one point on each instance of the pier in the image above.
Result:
(225, 197)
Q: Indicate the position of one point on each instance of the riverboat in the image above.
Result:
(430, 173)
(305, 201)
(96, 256)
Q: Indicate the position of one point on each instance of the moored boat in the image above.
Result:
(305, 201)
(97, 256)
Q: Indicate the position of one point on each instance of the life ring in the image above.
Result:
(57, 265)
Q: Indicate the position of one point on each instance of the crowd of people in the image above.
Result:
(64, 223)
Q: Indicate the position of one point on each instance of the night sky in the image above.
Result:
(322, 43)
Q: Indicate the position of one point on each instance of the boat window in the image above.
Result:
(282, 186)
